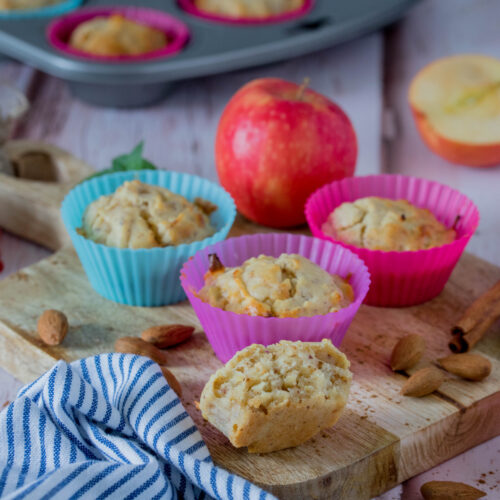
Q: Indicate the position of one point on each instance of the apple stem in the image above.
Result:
(302, 88)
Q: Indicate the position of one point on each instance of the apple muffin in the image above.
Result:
(26, 4)
(276, 397)
(249, 8)
(389, 225)
(288, 286)
(116, 36)
(139, 215)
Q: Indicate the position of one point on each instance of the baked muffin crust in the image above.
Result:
(249, 8)
(116, 36)
(276, 397)
(287, 286)
(26, 4)
(139, 215)
(388, 225)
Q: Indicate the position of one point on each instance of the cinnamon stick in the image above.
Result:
(477, 319)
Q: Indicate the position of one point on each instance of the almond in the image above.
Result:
(449, 490)
(423, 382)
(167, 335)
(407, 352)
(135, 345)
(467, 365)
(52, 327)
(172, 380)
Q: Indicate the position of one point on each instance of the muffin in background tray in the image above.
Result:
(116, 36)
(26, 4)
(248, 8)
(276, 397)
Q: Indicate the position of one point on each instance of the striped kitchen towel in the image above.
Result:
(108, 427)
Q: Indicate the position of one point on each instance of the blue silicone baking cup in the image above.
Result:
(146, 276)
(49, 11)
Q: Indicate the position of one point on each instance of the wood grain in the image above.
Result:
(382, 439)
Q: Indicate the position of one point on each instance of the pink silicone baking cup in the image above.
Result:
(190, 7)
(401, 278)
(229, 332)
(59, 32)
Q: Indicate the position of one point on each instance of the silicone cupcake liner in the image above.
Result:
(229, 332)
(48, 11)
(190, 7)
(142, 277)
(401, 278)
(59, 31)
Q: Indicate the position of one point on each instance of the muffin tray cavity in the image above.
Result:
(211, 46)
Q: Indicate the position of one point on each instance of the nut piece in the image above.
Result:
(407, 352)
(214, 263)
(135, 345)
(52, 327)
(449, 490)
(423, 382)
(167, 335)
(466, 365)
(172, 381)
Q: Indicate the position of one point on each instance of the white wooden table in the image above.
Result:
(369, 78)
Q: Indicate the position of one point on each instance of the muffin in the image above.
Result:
(248, 8)
(383, 224)
(139, 215)
(276, 397)
(26, 4)
(289, 286)
(116, 36)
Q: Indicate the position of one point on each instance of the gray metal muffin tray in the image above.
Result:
(214, 47)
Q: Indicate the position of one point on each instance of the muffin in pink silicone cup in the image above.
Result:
(229, 332)
(401, 278)
(228, 12)
(164, 34)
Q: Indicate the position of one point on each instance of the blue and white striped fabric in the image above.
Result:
(108, 427)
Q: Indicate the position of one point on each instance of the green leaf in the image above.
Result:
(127, 163)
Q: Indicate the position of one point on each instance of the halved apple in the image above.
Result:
(456, 106)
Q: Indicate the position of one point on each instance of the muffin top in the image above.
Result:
(287, 286)
(26, 4)
(139, 215)
(388, 225)
(249, 8)
(116, 36)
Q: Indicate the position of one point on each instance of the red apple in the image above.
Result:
(276, 143)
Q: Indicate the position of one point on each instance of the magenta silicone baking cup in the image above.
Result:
(229, 332)
(401, 278)
(190, 7)
(59, 31)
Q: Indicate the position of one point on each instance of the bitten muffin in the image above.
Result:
(116, 36)
(383, 224)
(139, 215)
(26, 4)
(276, 397)
(287, 286)
(249, 8)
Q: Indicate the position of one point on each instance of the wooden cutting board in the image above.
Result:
(381, 439)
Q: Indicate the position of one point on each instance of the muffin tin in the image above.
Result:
(213, 46)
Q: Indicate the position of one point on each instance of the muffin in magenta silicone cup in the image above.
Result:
(247, 11)
(146, 275)
(145, 34)
(229, 332)
(401, 278)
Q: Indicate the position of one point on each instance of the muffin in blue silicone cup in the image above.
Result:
(143, 276)
(39, 9)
